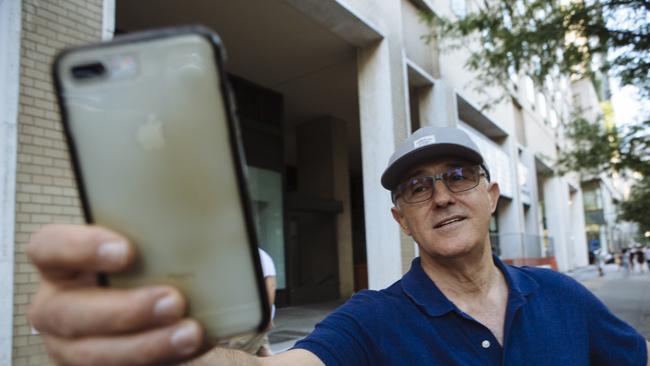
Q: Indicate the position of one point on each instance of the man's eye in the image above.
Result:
(455, 177)
(419, 189)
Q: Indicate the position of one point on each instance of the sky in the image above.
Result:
(627, 104)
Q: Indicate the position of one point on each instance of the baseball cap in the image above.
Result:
(427, 144)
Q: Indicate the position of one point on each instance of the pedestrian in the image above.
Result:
(457, 305)
(640, 258)
(627, 263)
(647, 257)
(599, 262)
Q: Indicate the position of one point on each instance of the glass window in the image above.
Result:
(266, 194)
(592, 200)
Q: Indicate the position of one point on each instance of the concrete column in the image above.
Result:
(383, 242)
(323, 172)
(578, 237)
(323, 143)
(532, 219)
(344, 219)
(513, 240)
(556, 197)
(10, 23)
(108, 19)
(443, 111)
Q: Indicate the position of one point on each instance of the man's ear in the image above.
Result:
(401, 220)
(494, 192)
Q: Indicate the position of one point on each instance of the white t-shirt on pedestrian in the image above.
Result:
(268, 270)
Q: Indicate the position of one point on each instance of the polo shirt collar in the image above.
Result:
(424, 292)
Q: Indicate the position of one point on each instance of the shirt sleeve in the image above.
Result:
(611, 340)
(341, 339)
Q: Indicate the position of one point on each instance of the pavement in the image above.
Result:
(296, 322)
(626, 295)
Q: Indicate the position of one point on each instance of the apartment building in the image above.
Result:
(325, 90)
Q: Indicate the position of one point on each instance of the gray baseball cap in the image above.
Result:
(428, 144)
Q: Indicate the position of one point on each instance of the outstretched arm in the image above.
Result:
(82, 323)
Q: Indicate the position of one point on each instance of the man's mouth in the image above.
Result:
(449, 220)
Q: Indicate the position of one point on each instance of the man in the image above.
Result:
(458, 305)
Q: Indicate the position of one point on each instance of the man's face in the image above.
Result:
(448, 224)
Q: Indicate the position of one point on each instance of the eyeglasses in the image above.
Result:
(457, 179)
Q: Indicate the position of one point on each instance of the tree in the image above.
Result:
(550, 37)
(545, 39)
(604, 148)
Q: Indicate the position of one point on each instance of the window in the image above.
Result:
(266, 194)
(592, 199)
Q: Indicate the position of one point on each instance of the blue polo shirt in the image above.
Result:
(550, 320)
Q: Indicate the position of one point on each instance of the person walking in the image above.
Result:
(640, 259)
(626, 262)
(647, 257)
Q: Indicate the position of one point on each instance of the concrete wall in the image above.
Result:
(416, 48)
(45, 189)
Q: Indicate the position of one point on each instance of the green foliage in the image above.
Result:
(599, 149)
(635, 208)
(542, 37)
(545, 39)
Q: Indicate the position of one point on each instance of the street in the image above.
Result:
(627, 297)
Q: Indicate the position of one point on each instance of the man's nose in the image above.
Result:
(441, 195)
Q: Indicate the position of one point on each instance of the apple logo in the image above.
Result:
(150, 134)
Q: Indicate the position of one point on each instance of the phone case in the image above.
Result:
(157, 156)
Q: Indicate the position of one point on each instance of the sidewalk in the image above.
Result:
(626, 296)
(294, 323)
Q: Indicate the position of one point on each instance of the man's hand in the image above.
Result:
(84, 324)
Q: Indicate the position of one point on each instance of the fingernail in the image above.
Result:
(167, 307)
(186, 338)
(113, 252)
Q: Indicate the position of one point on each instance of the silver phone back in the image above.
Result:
(153, 153)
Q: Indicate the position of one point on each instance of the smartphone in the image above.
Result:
(157, 155)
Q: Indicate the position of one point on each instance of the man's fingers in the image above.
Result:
(91, 311)
(155, 347)
(68, 248)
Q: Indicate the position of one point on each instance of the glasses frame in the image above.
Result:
(439, 177)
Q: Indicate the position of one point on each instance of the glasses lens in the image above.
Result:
(417, 189)
(461, 179)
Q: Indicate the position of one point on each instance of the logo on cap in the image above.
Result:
(425, 140)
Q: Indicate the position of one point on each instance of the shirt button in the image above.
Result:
(485, 344)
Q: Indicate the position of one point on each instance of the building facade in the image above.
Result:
(325, 90)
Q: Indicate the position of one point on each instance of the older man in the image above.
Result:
(458, 305)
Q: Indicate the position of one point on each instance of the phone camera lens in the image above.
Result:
(88, 71)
